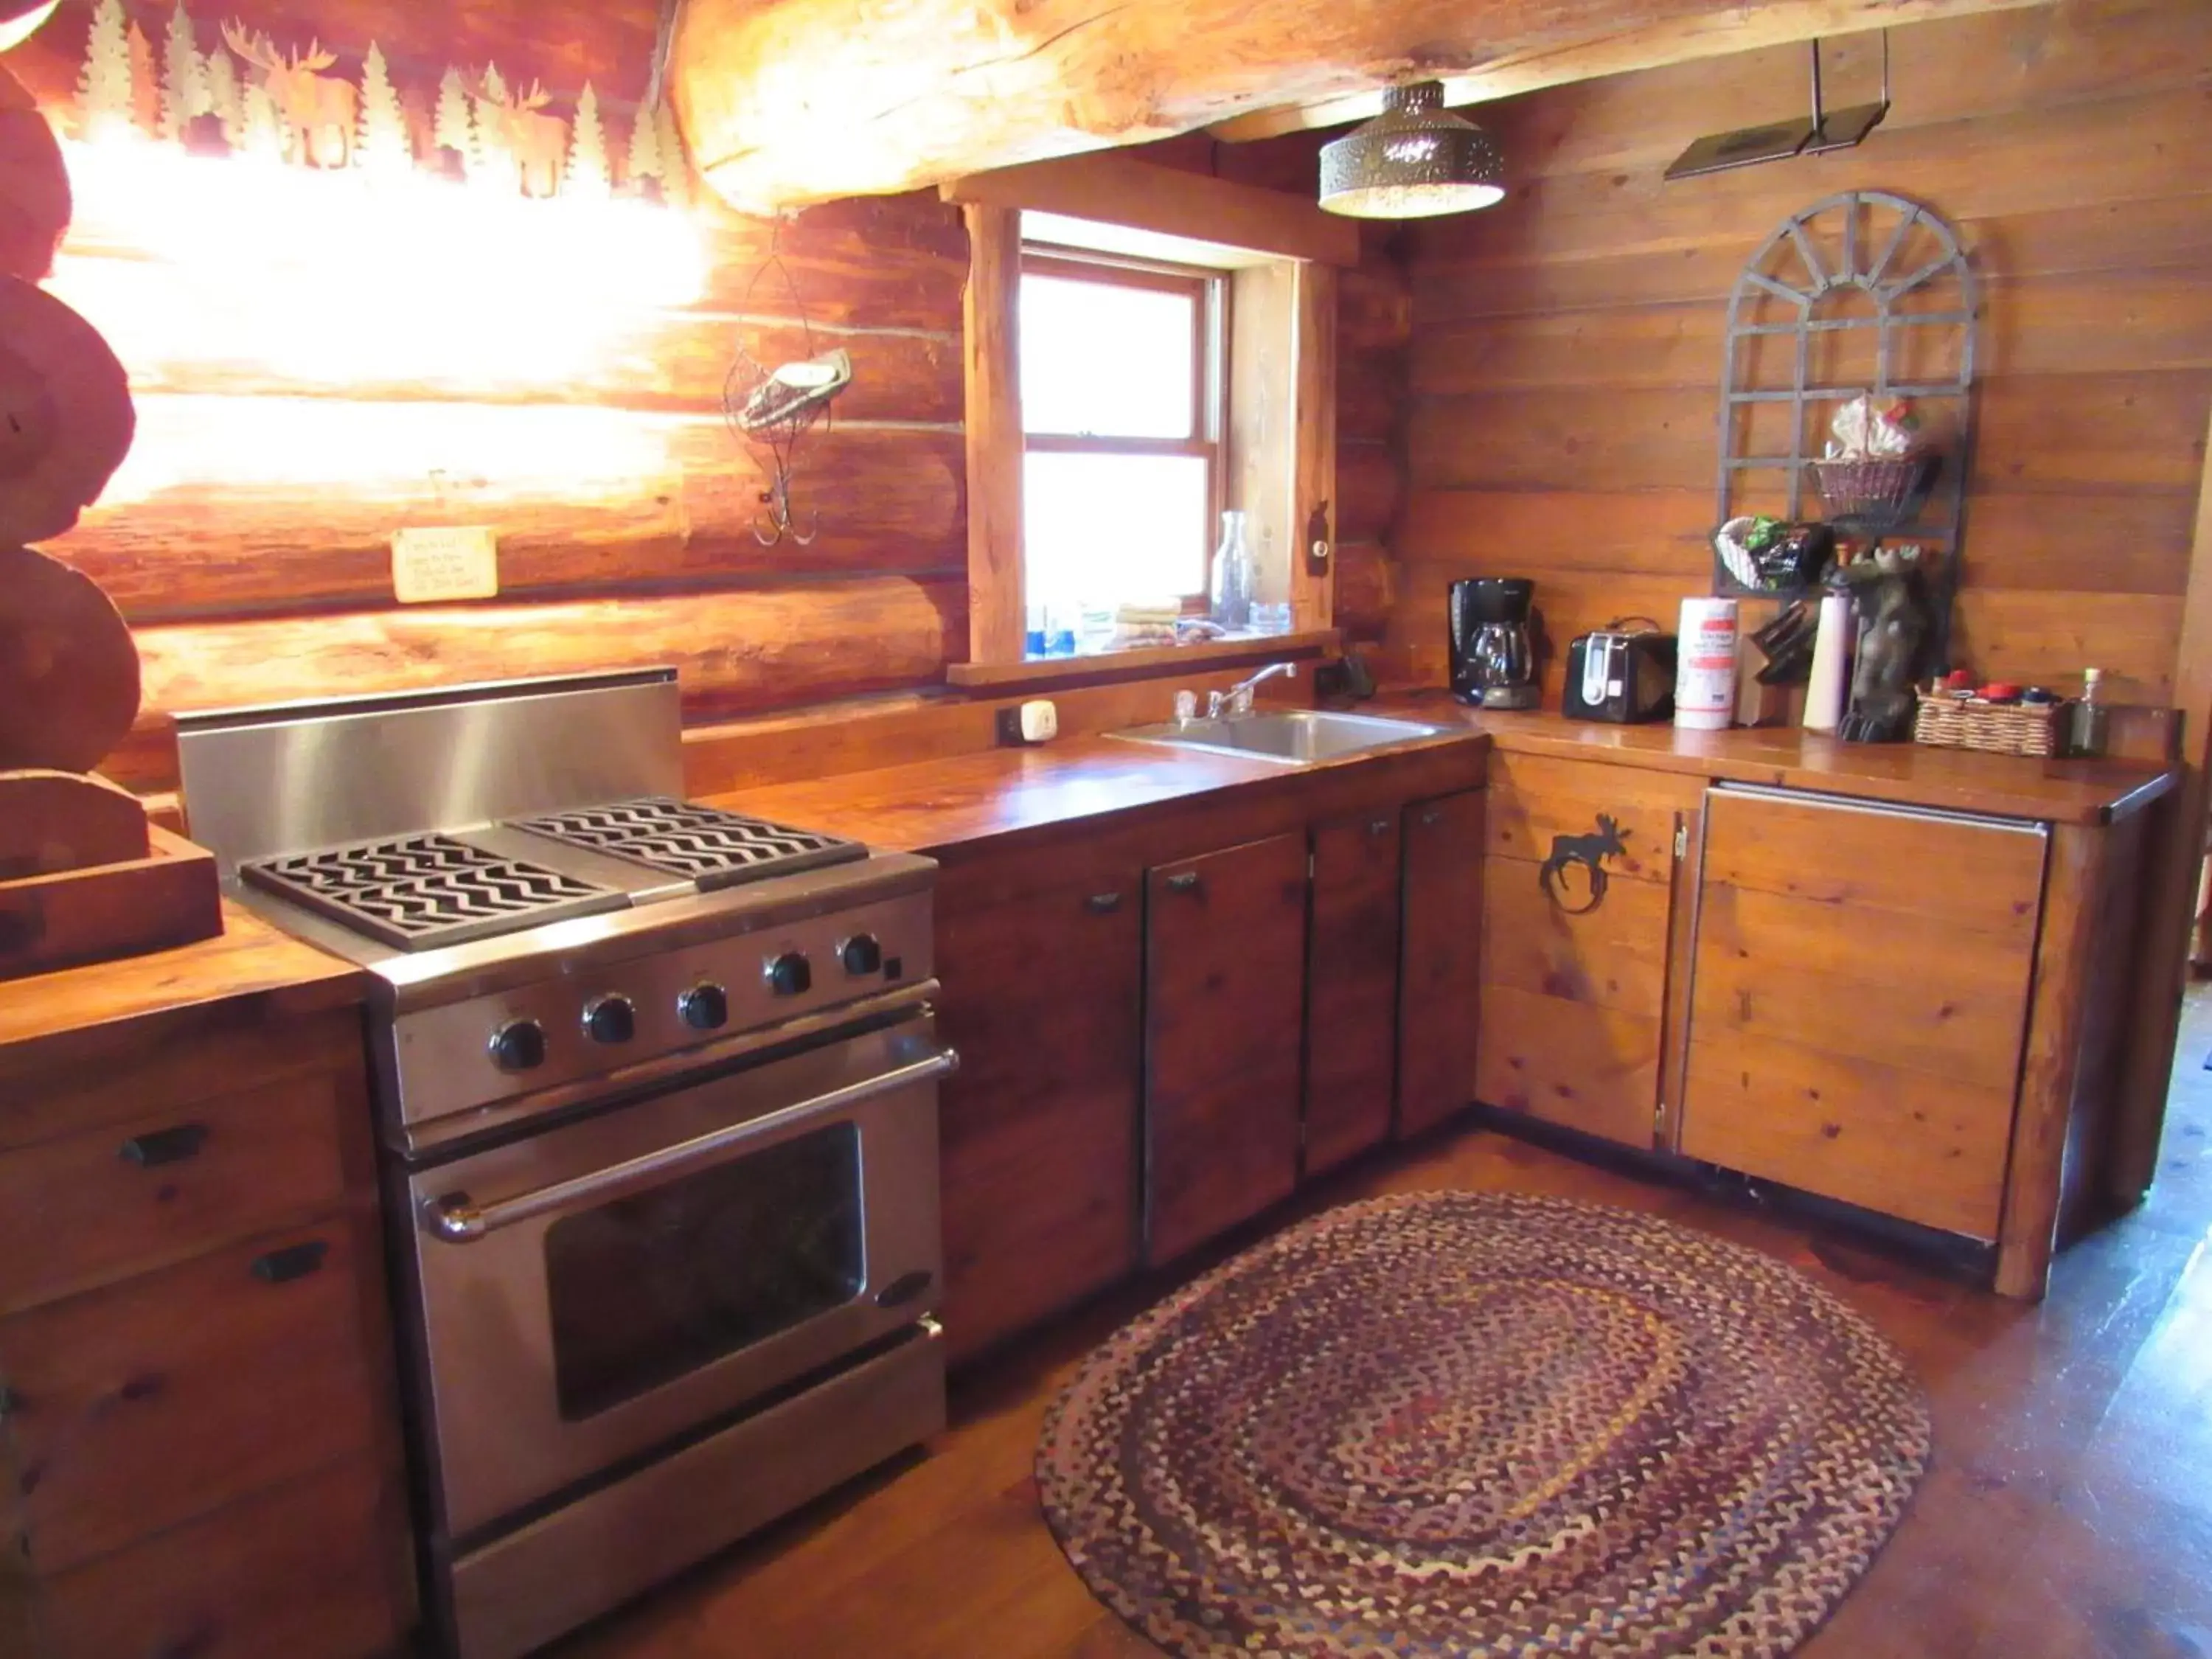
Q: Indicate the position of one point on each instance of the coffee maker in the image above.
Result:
(1494, 653)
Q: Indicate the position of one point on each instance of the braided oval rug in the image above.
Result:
(1485, 1423)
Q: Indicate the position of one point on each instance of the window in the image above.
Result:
(1121, 387)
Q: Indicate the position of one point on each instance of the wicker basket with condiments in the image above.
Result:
(1947, 720)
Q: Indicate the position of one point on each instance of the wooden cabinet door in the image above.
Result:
(1352, 987)
(155, 1400)
(1859, 1001)
(1225, 956)
(1440, 975)
(1577, 908)
(1040, 966)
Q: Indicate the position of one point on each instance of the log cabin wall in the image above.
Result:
(248, 539)
(1566, 347)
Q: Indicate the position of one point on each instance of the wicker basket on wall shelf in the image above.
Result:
(1996, 728)
(1889, 486)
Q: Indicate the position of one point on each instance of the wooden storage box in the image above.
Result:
(169, 897)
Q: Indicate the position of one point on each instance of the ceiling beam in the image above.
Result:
(1106, 188)
(1651, 45)
(786, 102)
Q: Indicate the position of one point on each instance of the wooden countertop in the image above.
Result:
(936, 805)
(930, 806)
(251, 959)
(1902, 774)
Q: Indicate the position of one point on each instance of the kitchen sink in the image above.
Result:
(1297, 737)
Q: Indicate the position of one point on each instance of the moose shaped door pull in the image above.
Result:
(1588, 854)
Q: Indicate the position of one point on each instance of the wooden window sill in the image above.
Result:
(1149, 662)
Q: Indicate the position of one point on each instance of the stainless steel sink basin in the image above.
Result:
(1297, 737)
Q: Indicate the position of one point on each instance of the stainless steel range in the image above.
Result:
(657, 1089)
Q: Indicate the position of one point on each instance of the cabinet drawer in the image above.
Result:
(90, 1209)
(313, 1568)
(139, 1407)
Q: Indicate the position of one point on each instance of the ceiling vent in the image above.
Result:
(1778, 141)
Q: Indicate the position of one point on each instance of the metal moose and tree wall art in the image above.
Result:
(248, 95)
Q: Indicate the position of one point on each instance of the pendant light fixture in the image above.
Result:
(19, 19)
(1414, 161)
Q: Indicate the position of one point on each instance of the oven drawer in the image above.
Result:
(91, 1208)
(526, 1589)
(133, 1410)
(592, 1291)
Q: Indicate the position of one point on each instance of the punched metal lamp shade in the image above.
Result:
(19, 19)
(1414, 161)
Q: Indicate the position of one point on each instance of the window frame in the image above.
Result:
(1209, 440)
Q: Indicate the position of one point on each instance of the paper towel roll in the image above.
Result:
(1704, 673)
(1832, 664)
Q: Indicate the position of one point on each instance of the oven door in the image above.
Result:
(597, 1290)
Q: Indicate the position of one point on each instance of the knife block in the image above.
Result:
(84, 878)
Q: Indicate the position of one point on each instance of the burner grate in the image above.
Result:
(711, 847)
(416, 891)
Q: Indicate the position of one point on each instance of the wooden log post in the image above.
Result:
(992, 311)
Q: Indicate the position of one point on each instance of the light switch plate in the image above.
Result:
(445, 563)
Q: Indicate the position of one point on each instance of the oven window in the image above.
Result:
(651, 1286)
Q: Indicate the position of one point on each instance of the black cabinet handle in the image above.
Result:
(1103, 904)
(151, 1152)
(1185, 881)
(292, 1262)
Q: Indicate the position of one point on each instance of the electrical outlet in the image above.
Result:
(445, 563)
(1034, 721)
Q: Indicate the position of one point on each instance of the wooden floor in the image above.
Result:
(2067, 1514)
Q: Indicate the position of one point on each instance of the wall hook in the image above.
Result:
(777, 524)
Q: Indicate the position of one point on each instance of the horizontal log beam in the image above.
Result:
(734, 652)
(942, 88)
(1719, 32)
(1120, 190)
(252, 506)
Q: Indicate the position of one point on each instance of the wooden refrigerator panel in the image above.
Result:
(1859, 1001)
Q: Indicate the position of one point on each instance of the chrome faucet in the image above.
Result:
(1237, 700)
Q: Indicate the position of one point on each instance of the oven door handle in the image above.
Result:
(456, 1220)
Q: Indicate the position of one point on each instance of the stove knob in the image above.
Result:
(790, 975)
(863, 954)
(519, 1045)
(610, 1020)
(705, 1007)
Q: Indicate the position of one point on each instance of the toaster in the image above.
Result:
(1620, 673)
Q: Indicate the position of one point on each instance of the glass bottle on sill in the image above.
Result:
(2088, 722)
(1232, 575)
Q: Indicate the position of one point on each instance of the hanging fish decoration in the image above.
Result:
(796, 390)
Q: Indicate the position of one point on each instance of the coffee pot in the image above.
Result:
(1493, 652)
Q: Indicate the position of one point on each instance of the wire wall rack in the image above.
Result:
(1861, 292)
